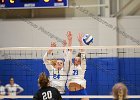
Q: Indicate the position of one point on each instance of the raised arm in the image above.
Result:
(68, 53)
(83, 60)
(45, 57)
(82, 51)
(69, 37)
(79, 37)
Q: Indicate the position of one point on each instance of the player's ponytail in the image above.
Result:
(43, 80)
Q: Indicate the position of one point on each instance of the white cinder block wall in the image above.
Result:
(15, 33)
(131, 26)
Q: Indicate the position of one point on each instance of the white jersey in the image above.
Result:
(58, 78)
(12, 90)
(77, 73)
(2, 90)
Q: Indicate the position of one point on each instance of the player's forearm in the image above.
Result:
(82, 50)
(80, 41)
(19, 92)
(45, 57)
(69, 42)
(69, 56)
(69, 37)
(68, 60)
(83, 60)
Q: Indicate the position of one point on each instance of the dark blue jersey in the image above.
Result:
(118, 99)
(48, 93)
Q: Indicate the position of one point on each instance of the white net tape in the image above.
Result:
(72, 47)
(78, 96)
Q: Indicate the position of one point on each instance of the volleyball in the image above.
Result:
(87, 39)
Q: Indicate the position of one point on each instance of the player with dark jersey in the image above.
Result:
(46, 92)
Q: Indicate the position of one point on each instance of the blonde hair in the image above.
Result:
(53, 62)
(119, 91)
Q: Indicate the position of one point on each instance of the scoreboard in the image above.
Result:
(21, 4)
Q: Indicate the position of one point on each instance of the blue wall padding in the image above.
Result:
(101, 74)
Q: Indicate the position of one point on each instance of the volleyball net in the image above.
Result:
(78, 96)
(106, 65)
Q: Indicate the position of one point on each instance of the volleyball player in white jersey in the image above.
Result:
(2, 90)
(58, 69)
(13, 89)
(76, 82)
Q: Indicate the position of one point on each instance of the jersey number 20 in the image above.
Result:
(47, 95)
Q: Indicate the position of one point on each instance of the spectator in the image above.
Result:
(119, 91)
(2, 90)
(13, 88)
